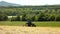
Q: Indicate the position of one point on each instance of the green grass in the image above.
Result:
(13, 23)
(48, 24)
(38, 24)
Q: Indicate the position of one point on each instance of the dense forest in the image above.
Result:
(35, 13)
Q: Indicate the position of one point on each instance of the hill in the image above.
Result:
(3, 3)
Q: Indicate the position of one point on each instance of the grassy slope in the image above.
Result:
(21, 23)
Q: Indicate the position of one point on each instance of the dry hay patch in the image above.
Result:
(29, 30)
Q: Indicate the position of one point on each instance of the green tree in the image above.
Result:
(41, 17)
(58, 18)
(24, 17)
(51, 18)
(5, 18)
(1, 17)
(33, 18)
(18, 18)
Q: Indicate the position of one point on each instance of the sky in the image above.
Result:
(33, 2)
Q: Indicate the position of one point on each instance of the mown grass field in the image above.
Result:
(38, 24)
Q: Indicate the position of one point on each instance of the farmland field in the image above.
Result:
(38, 24)
(17, 27)
(13, 20)
(29, 30)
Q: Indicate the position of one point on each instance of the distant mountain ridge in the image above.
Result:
(7, 4)
(3, 3)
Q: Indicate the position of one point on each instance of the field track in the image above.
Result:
(29, 30)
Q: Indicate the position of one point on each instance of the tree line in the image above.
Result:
(40, 16)
(34, 14)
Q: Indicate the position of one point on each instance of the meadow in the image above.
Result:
(38, 24)
(46, 18)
